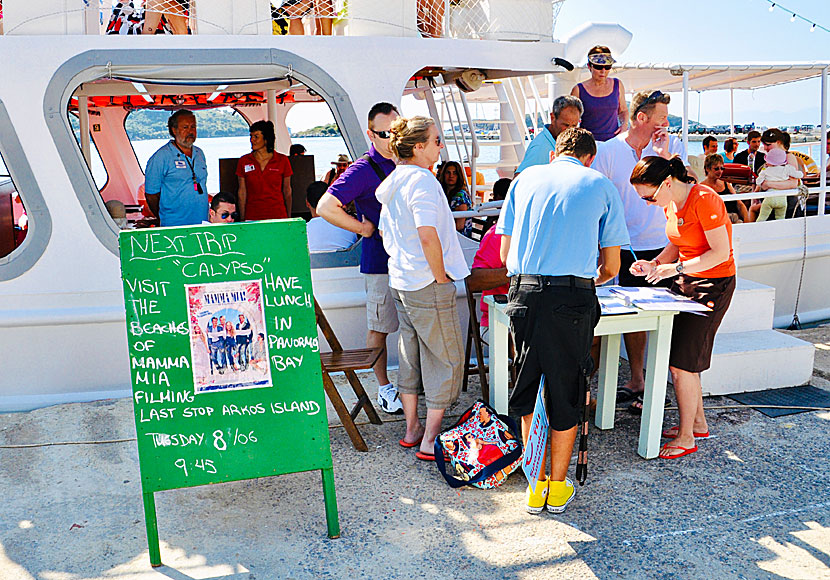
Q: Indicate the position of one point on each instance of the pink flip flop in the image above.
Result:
(685, 451)
(425, 456)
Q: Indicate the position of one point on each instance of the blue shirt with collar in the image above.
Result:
(169, 176)
(558, 215)
(539, 150)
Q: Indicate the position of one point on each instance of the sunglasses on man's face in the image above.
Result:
(382, 134)
(227, 214)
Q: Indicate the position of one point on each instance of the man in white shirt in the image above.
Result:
(616, 158)
(324, 236)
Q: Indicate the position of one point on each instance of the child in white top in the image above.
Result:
(775, 169)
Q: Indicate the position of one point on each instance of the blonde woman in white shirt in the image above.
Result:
(425, 259)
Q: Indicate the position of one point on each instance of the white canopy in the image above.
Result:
(715, 76)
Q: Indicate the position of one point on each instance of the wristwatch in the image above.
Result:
(679, 267)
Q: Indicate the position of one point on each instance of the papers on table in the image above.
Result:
(611, 306)
(657, 299)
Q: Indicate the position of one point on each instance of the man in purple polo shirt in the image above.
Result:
(358, 184)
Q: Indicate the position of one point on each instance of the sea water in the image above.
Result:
(324, 149)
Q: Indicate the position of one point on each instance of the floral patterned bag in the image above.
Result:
(481, 449)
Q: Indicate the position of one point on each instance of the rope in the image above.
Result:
(802, 202)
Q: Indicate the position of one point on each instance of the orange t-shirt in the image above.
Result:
(703, 211)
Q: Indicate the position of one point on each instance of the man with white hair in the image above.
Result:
(565, 114)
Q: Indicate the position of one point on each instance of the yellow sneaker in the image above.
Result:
(536, 497)
(560, 494)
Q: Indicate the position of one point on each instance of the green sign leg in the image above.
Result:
(331, 503)
(152, 528)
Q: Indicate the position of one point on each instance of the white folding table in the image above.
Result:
(659, 326)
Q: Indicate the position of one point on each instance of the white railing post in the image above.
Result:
(686, 110)
(83, 125)
(474, 145)
(92, 17)
(822, 196)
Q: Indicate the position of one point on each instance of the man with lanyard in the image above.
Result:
(243, 342)
(647, 136)
(216, 344)
(566, 113)
(175, 181)
(552, 222)
(358, 184)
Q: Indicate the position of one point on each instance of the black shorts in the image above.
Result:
(553, 327)
(629, 279)
(693, 336)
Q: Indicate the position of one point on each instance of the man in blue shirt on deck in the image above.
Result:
(566, 114)
(552, 222)
(175, 181)
(358, 184)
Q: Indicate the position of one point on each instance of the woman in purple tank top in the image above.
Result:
(606, 113)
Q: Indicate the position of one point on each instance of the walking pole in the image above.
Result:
(582, 456)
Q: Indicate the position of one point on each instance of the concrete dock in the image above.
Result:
(753, 502)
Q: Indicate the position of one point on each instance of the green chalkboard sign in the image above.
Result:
(224, 357)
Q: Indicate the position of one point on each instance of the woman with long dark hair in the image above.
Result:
(452, 180)
(699, 255)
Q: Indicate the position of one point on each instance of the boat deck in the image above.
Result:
(752, 503)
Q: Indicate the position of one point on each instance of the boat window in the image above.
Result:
(212, 83)
(221, 133)
(14, 223)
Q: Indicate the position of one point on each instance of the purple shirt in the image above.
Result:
(358, 184)
(601, 116)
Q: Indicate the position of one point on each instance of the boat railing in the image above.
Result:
(518, 20)
(817, 195)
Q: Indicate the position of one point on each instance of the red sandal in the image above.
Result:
(685, 451)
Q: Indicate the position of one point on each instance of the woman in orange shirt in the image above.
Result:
(699, 253)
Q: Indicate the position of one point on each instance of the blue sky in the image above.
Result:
(713, 31)
(701, 31)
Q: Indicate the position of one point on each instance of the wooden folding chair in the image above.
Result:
(474, 340)
(347, 361)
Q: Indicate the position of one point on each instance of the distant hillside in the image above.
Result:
(152, 124)
(329, 130)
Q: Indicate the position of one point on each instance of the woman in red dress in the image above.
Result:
(264, 178)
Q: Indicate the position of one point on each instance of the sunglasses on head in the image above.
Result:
(226, 214)
(382, 134)
(653, 98)
(600, 66)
